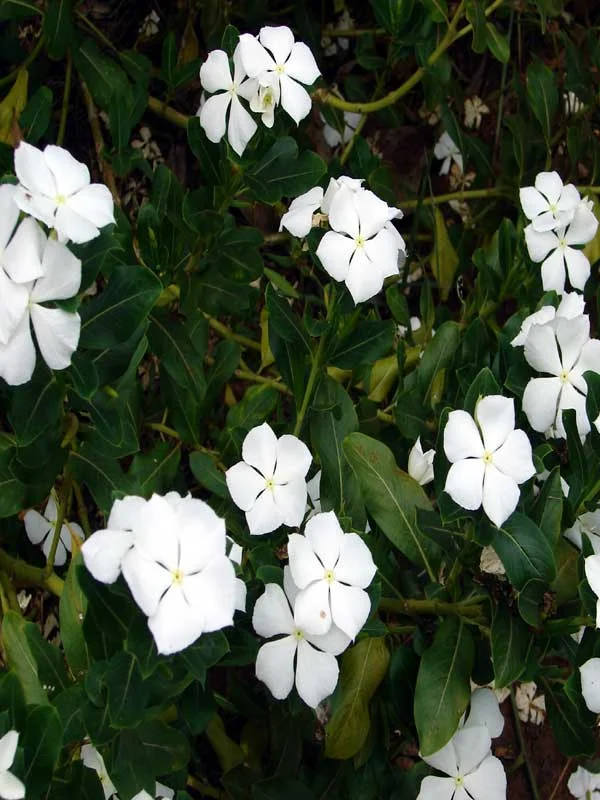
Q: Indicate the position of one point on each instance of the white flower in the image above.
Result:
(275, 55)
(269, 484)
(332, 569)
(489, 459)
(588, 523)
(93, 760)
(360, 250)
(334, 186)
(21, 250)
(11, 788)
(447, 151)
(420, 464)
(313, 488)
(298, 218)
(557, 250)
(40, 530)
(530, 708)
(266, 98)
(484, 711)
(475, 108)
(215, 76)
(333, 137)
(56, 331)
(590, 678)
(571, 305)
(564, 350)
(473, 771)
(171, 551)
(584, 785)
(571, 103)
(592, 573)
(55, 188)
(234, 554)
(316, 671)
(489, 561)
(549, 204)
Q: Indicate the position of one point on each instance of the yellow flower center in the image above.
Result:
(298, 635)
(329, 576)
(360, 241)
(280, 69)
(564, 376)
(459, 780)
(487, 457)
(177, 577)
(270, 483)
(562, 243)
(60, 199)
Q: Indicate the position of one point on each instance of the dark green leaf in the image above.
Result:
(283, 172)
(542, 92)
(510, 641)
(42, 744)
(369, 342)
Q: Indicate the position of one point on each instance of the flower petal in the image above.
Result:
(259, 449)
(57, 334)
(334, 641)
(541, 350)
(17, 357)
(279, 40)
(590, 684)
(343, 212)
(40, 207)
(94, 203)
(578, 267)
(104, 551)
(533, 202)
(69, 174)
(11, 788)
(8, 749)
(592, 573)
(175, 625)
(36, 526)
(293, 459)
(70, 225)
(572, 335)
(212, 593)
(495, 416)
(62, 274)
(241, 126)
(272, 614)
(156, 533)
(22, 259)
(355, 564)
(294, 99)
(147, 580)
(571, 398)
(312, 611)
(365, 277)
(14, 299)
(485, 711)
(275, 666)
(382, 250)
(255, 58)
(301, 64)
(434, 788)
(583, 226)
(488, 781)
(540, 402)
(201, 534)
(500, 495)
(334, 252)
(514, 457)
(9, 213)
(550, 185)
(304, 564)
(350, 608)
(472, 746)
(215, 74)
(316, 674)
(444, 760)
(125, 513)
(290, 499)
(553, 272)
(325, 536)
(213, 116)
(265, 515)
(33, 172)
(464, 483)
(373, 213)
(244, 484)
(461, 437)
(539, 244)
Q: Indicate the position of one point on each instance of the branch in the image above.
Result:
(27, 575)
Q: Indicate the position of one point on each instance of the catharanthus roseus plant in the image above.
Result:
(299, 401)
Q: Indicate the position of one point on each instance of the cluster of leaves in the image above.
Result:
(204, 323)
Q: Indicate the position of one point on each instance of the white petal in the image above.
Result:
(488, 782)
(69, 174)
(156, 532)
(553, 272)
(125, 513)
(434, 788)
(533, 202)
(540, 244)
(239, 73)
(213, 116)
(70, 225)
(420, 464)
(33, 171)
(57, 334)
(22, 259)
(40, 207)
(13, 304)
(36, 526)
(549, 184)
(382, 250)
(334, 252)
(355, 565)
(590, 684)
(461, 437)
(514, 457)
(571, 305)
(444, 760)
(11, 788)
(334, 641)
(578, 267)
(272, 615)
(316, 674)
(485, 711)
(244, 484)
(175, 625)
(104, 551)
(240, 595)
(265, 515)
(241, 126)
(294, 99)
(293, 459)
(590, 356)
(255, 58)
(343, 212)
(290, 499)
(572, 335)
(259, 449)
(215, 73)
(312, 611)
(201, 534)
(94, 203)
(212, 593)
(592, 573)
(495, 416)
(500, 495)
(325, 536)
(297, 221)
(304, 564)
(540, 402)
(541, 350)
(289, 587)
(472, 746)
(279, 40)
(9, 213)
(365, 277)
(571, 398)
(17, 357)
(583, 226)
(147, 580)
(373, 213)
(350, 608)
(8, 748)
(275, 666)
(62, 274)
(301, 65)
(464, 483)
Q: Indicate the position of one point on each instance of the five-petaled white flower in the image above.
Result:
(56, 330)
(55, 188)
(549, 204)
(489, 458)
(571, 305)
(316, 669)
(563, 349)
(557, 249)
(332, 569)
(282, 65)
(531, 706)
(584, 785)
(420, 464)
(172, 553)
(475, 108)
(40, 530)
(361, 250)
(215, 76)
(447, 151)
(269, 484)
(590, 678)
(298, 218)
(11, 788)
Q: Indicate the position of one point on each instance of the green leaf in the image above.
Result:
(444, 259)
(35, 117)
(547, 511)
(438, 9)
(48, 658)
(438, 356)
(370, 341)
(284, 322)
(127, 692)
(238, 254)
(204, 469)
(443, 690)
(394, 15)
(497, 44)
(18, 10)
(36, 406)
(524, 551)
(42, 744)
(572, 723)
(115, 314)
(207, 651)
(392, 497)
(103, 476)
(363, 668)
(12, 490)
(20, 658)
(206, 153)
(155, 470)
(102, 75)
(58, 27)
(542, 92)
(476, 16)
(254, 408)
(283, 172)
(277, 788)
(510, 640)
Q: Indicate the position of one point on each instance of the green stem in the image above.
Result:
(246, 375)
(158, 426)
(315, 369)
(469, 194)
(409, 606)
(203, 788)
(9, 596)
(559, 625)
(82, 510)
(29, 60)
(227, 333)
(30, 576)
(167, 112)
(523, 747)
(60, 137)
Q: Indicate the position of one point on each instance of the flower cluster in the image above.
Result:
(363, 247)
(269, 70)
